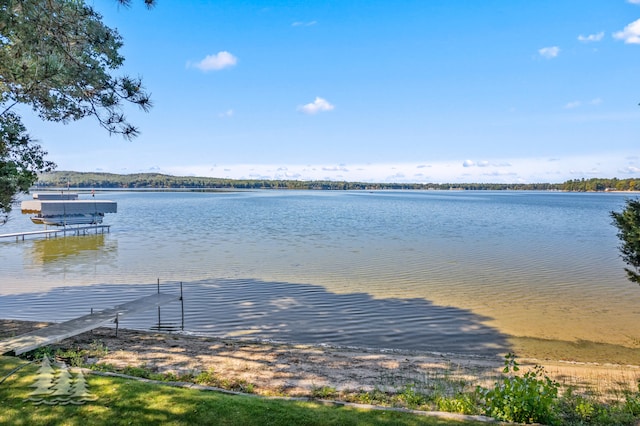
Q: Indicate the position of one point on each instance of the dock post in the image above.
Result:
(158, 305)
(182, 306)
(117, 323)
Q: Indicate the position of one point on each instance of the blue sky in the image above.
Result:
(406, 91)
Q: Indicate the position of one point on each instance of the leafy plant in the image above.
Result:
(104, 367)
(585, 409)
(208, 377)
(463, 403)
(525, 399)
(632, 402)
(374, 397)
(40, 353)
(137, 372)
(73, 357)
(97, 348)
(411, 397)
(323, 392)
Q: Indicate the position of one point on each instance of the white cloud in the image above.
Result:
(228, 113)
(633, 1)
(630, 34)
(549, 52)
(498, 170)
(304, 24)
(591, 37)
(484, 163)
(501, 174)
(576, 104)
(319, 105)
(215, 62)
(592, 172)
(340, 168)
(630, 170)
(572, 104)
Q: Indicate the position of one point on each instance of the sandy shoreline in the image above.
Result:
(295, 370)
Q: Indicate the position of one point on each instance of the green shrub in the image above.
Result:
(524, 399)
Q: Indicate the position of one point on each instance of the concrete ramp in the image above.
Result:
(58, 332)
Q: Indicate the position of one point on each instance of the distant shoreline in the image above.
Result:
(60, 180)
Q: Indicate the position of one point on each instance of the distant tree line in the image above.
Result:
(63, 179)
(598, 184)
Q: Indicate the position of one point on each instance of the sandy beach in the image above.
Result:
(296, 370)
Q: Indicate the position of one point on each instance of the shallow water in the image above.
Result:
(444, 271)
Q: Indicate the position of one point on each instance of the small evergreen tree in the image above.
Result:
(628, 224)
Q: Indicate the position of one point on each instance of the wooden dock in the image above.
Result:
(58, 332)
(55, 232)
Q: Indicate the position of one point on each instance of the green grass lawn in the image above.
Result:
(120, 401)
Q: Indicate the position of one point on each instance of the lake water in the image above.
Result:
(448, 271)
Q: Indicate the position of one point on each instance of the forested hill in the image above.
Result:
(63, 179)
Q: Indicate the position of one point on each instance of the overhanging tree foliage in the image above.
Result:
(57, 57)
(628, 224)
(20, 159)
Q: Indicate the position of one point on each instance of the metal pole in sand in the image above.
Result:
(182, 306)
(158, 305)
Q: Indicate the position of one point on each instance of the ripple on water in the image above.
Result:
(415, 270)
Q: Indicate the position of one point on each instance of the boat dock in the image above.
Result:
(54, 232)
(58, 332)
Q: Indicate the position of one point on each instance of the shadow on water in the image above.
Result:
(279, 311)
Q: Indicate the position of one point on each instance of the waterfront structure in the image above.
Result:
(63, 209)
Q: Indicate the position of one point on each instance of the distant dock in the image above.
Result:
(81, 230)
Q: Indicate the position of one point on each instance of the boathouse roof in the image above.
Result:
(68, 207)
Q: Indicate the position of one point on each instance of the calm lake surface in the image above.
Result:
(448, 271)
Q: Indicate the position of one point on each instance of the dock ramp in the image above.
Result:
(58, 332)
